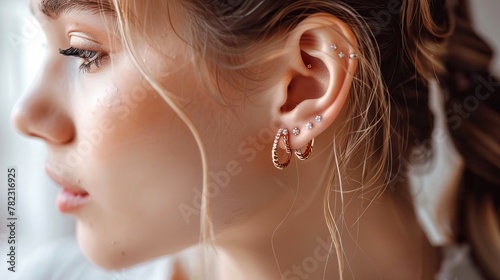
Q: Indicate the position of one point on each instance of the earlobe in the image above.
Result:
(323, 60)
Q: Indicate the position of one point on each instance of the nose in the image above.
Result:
(43, 111)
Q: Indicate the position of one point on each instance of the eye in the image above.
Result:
(91, 58)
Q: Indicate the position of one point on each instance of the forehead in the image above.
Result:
(54, 8)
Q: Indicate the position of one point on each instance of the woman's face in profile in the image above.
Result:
(129, 167)
(111, 136)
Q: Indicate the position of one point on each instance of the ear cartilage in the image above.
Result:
(309, 66)
(334, 47)
(353, 56)
(318, 118)
(296, 131)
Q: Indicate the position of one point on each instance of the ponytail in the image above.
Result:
(472, 110)
(441, 44)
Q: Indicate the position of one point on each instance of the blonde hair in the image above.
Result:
(387, 117)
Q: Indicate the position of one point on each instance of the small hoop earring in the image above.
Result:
(281, 165)
(305, 155)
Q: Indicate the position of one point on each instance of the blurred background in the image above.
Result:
(21, 52)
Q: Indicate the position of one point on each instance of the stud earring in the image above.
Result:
(318, 118)
(296, 131)
(309, 125)
(282, 133)
(309, 66)
(353, 56)
(341, 55)
(333, 47)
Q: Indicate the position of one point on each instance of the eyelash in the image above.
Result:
(91, 57)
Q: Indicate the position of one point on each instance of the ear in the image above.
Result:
(323, 56)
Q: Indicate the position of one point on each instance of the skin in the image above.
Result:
(144, 173)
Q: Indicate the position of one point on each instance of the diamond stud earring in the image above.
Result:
(318, 118)
(296, 131)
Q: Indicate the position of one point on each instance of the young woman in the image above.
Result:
(282, 131)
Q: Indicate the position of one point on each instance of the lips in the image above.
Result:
(71, 197)
(68, 201)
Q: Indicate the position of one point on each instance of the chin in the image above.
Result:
(107, 255)
(107, 258)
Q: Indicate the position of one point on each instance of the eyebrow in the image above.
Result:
(54, 8)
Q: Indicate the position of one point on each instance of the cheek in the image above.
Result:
(143, 165)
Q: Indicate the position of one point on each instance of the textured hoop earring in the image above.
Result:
(281, 165)
(305, 155)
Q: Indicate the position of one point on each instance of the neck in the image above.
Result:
(290, 240)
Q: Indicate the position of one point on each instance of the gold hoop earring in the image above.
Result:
(305, 155)
(281, 165)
